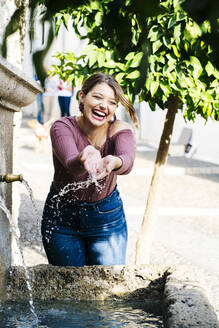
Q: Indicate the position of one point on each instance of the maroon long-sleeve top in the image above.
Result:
(68, 141)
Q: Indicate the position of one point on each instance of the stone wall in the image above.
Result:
(15, 41)
(16, 91)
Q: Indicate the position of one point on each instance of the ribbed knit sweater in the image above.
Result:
(68, 141)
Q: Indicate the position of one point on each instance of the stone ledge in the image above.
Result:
(88, 282)
(180, 292)
(16, 88)
(186, 302)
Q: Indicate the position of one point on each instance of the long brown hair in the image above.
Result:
(97, 78)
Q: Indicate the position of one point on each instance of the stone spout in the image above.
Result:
(9, 177)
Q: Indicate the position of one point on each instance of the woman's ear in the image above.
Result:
(81, 96)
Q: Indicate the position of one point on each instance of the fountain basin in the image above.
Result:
(177, 294)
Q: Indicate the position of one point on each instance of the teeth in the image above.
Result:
(99, 113)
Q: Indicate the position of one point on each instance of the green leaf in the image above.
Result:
(196, 66)
(209, 69)
(176, 5)
(152, 105)
(161, 59)
(214, 84)
(172, 21)
(166, 4)
(166, 41)
(216, 73)
(130, 56)
(153, 87)
(101, 59)
(66, 19)
(175, 51)
(70, 56)
(137, 60)
(121, 66)
(168, 68)
(152, 30)
(119, 77)
(206, 96)
(79, 81)
(133, 75)
(92, 58)
(177, 34)
(171, 59)
(156, 45)
(98, 18)
(190, 82)
(88, 48)
(192, 30)
(166, 89)
(180, 15)
(57, 26)
(149, 80)
(110, 64)
(154, 35)
(182, 80)
(95, 5)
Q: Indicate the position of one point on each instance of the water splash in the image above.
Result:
(27, 275)
(57, 199)
(94, 180)
(68, 188)
(75, 186)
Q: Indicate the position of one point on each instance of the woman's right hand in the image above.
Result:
(90, 158)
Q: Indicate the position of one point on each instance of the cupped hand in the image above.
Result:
(90, 158)
(108, 164)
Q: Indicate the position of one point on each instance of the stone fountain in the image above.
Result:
(179, 294)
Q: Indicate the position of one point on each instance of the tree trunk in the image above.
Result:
(145, 236)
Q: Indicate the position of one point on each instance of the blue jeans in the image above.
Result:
(40, 108)
(81, 233)
(64, 104)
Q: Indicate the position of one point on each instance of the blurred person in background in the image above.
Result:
(50, 97)
(65, 93)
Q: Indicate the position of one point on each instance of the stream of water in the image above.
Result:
(27, 275)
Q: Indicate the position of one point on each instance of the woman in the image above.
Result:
(83, 219)
(65, 93)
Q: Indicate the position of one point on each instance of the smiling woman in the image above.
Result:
(87, 225)
(99, 104)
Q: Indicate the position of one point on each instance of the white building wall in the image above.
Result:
(65, 41)
(204, 135)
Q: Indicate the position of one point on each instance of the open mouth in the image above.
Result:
(99, 114)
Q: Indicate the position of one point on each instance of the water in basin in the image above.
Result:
(79, 314)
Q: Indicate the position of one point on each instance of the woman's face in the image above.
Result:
(99, 104)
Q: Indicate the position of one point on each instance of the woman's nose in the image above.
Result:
(103, 103)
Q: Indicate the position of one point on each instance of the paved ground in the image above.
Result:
(187, 229)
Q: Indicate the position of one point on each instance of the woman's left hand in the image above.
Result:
(109, 163)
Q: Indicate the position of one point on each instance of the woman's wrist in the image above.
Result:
(118, 163)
